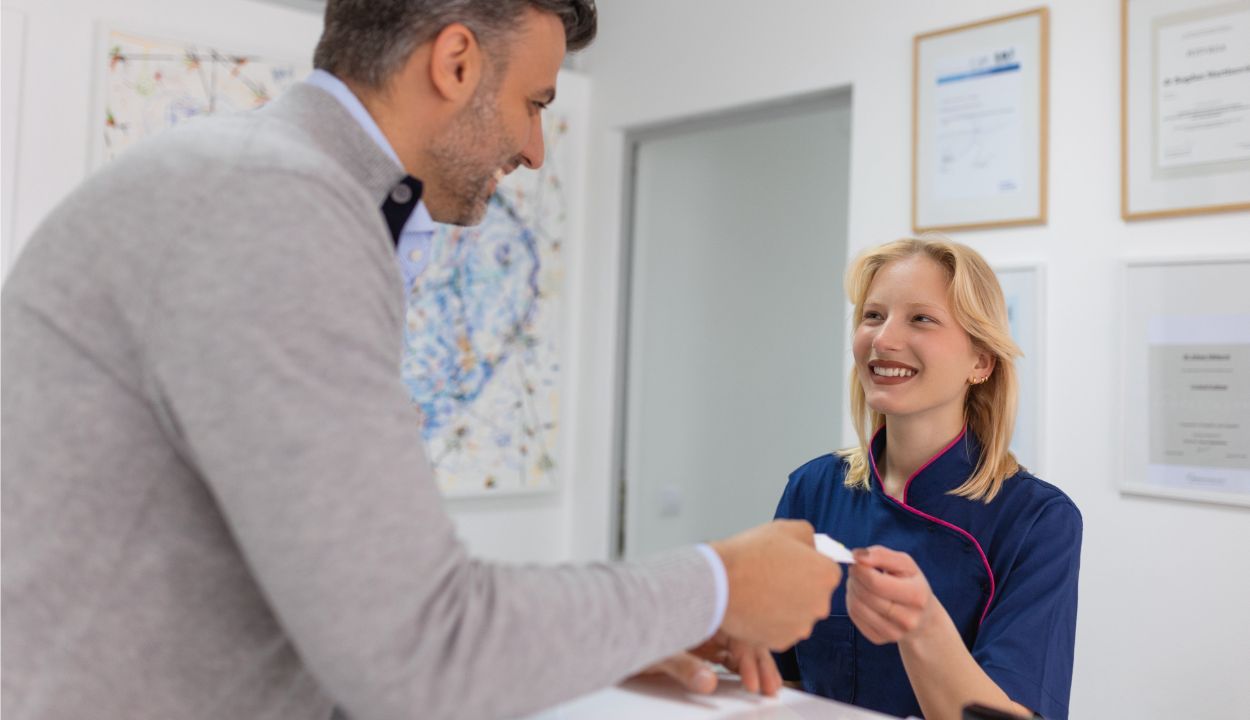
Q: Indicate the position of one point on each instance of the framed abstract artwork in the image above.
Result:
(487, 343)
(149, 84)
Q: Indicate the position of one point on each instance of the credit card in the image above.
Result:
(833, 549)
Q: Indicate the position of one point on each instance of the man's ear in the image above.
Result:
(455, 63)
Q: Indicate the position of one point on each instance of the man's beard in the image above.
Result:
(465, 178)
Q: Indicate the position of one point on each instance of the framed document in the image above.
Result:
(1186, 380)
(979, 108)
(1022, 288)
(1184, 107)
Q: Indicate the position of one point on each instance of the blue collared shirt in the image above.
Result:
(1005, 571)
(413, 248)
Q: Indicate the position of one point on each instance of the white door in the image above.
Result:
(736, 327)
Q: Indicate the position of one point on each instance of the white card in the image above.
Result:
(833, 549)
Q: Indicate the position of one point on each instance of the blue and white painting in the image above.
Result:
(484, 355)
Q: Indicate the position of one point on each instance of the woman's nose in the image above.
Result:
(886, 338)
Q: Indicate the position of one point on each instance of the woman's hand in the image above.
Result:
(753, 663)
(887, 596)
(890, 600)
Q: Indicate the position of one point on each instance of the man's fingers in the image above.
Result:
(714, 650)
(800, 530)
(748, 669)
(770, 677)
(690, 671)
(779, 586)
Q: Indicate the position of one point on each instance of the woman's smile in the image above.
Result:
(888, 372)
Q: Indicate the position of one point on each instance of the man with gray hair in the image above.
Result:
(215, 500)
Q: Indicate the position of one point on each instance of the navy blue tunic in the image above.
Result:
(1006, 573)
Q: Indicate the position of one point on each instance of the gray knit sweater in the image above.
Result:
(215, 499)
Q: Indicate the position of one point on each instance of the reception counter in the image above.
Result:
(660, 698)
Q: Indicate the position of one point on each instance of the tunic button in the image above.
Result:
(402, 194)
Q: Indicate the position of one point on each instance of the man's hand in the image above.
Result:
(754, 664)
(779, 586)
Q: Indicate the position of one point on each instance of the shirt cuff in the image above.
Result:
(721, 580)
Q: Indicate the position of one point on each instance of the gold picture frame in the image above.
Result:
(980, 115)
(1176, 158)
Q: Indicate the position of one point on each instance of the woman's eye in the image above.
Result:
(872, 315)
(924, 318)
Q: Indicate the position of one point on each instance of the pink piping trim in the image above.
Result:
(940, 453)
(984, 560)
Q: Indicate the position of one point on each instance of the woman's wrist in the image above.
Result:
(932, 634)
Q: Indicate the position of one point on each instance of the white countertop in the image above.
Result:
(660, 698)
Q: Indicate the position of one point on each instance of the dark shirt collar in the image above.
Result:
(332, 123)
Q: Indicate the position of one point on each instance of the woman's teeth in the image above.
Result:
(893, 372)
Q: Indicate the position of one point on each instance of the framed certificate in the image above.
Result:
(1185, 107)
(1186, 380)
(979, 109)
(1023, 289)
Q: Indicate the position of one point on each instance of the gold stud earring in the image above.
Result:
(978, 381)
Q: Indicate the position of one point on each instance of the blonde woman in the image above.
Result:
(967, 589)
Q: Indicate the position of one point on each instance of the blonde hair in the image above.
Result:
(978, 306)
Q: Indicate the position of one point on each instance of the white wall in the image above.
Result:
(1163, 629)
(56, 125)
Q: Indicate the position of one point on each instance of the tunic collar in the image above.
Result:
(945, 471)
